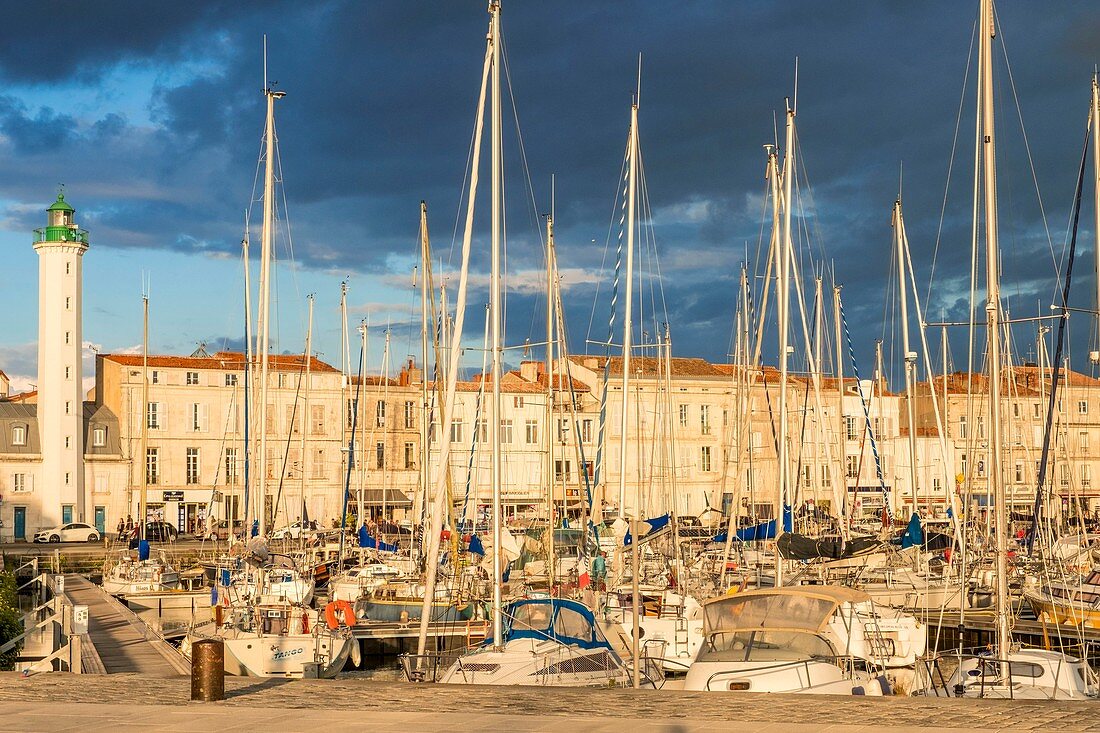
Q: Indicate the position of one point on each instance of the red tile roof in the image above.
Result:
(649, 365)
(223, 361)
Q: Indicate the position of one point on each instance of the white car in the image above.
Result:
(71, 532)
(291, 532)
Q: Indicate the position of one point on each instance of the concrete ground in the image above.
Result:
(57, 702)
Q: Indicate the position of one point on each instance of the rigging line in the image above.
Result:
(519, 141)
(650, 249)
(256, 179)
(1027, 146)
(611, 322)
(864, 404)
(951, 164)
(478, 405)
(1056, 363)
(651, 237)
(607, 245)
(811, 218)
(466, 173)
(286, 218)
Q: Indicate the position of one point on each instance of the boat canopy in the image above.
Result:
(367, 540)
(566, 621)
(798, 608)
(650, 528)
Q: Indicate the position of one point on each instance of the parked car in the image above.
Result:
(294, 531)
(71, 532)
(157, 532)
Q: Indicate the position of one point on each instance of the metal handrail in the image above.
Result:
(782, 665)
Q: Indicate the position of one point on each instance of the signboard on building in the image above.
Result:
(172, 496)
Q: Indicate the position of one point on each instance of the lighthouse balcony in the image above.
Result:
(61, 234)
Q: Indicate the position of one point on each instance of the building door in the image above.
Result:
(101, 519)
(21, 523)
(66, 513)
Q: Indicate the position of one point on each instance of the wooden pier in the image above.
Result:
(119, 641)
(978, 629)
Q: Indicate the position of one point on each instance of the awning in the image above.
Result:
(373, 497)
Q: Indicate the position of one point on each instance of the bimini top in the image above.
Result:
(559, 619)
(797, 608)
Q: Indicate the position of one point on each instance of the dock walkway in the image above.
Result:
(63, 703)
(121, 642)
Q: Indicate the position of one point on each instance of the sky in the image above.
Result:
(152, 118)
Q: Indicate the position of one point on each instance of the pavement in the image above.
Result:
(58, 702)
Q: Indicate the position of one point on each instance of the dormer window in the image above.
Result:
(19, 435)
(99, 436)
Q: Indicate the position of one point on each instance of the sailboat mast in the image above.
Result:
(425, 407)
(841, 490)
(783, 310)
(385, 423)
(819, 369)
(910, 357)
(248, 385)
(144, 496)
(551, 550)
(306, 419)
(360, 508)
(267, 235)
(993, 324)
(494, 317)
(625, 419)
(1096, 188)
(345, 377)
(628, 302)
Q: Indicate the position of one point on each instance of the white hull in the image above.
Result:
(540, 663)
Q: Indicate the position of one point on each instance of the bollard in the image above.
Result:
(208, 670)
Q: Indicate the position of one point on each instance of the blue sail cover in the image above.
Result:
(762, 531)
(143, 550)
(649, 528)
(366, 540)
(476, 547)
(914, 533)
(569, 622)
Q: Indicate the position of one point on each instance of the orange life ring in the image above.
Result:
(339, 613)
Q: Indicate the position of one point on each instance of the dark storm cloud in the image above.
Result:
(381, 101)
(44, 131)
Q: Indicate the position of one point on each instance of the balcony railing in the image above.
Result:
(61, 234)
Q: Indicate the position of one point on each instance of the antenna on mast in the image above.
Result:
(638, 91)
(265, 62)
(795, 105)
(553, 190)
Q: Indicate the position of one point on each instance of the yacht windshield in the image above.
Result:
(764, 646)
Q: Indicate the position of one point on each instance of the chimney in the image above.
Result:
(5, 386)
(530, 370)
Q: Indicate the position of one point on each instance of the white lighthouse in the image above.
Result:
(60, 246)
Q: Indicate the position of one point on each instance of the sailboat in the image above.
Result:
(1008, 671)
(264, 620)
(532, 641)
(143, 573)
(814, 639)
